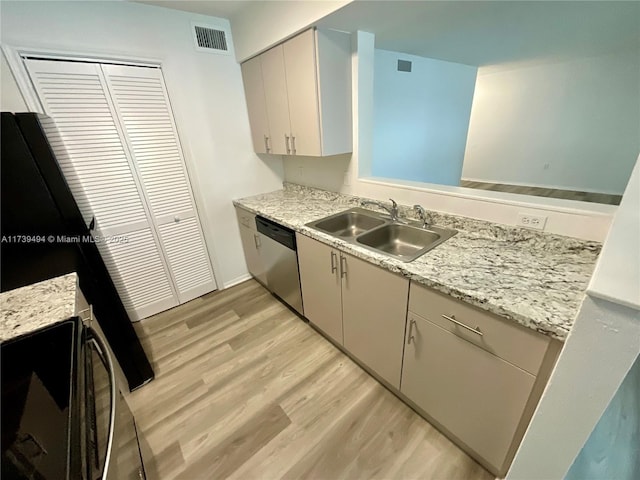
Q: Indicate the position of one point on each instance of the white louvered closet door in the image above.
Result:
(143, 107)
(90, 148)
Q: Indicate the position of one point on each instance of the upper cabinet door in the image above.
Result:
(256, 105)
(306, 86)
(302, 86)
(275, 87)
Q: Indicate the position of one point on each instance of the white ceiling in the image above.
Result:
(226, 9)
(494, 32)
(473, 32)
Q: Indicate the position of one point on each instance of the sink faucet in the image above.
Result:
(393, 210)
(422, 215)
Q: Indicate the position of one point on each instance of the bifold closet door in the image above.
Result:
(88, 143)
(143, 108)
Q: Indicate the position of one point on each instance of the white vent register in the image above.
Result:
(209, 39)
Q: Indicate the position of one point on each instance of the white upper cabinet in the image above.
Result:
(306, 86)
(302, 89)
(276, 100)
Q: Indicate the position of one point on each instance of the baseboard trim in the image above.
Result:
(236, 281)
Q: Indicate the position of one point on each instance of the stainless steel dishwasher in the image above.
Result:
(280, 258)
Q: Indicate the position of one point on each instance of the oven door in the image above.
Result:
(112, 450)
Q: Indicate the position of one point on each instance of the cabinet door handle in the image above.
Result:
(256, 240)
(452, 319)
(410, 337)
(266, 143)
(287, 145)
(334, 267)
(343, 266)
(293, 145)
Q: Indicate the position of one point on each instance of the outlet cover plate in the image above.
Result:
(528, 220)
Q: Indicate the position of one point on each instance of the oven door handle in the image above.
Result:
(104, 351)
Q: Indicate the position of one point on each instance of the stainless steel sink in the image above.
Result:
(404, 242)
(379, 233)
(349, 224)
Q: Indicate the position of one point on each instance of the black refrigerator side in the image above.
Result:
(29, 217)
(55, 210)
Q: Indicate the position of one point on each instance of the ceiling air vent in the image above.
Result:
(210, 39)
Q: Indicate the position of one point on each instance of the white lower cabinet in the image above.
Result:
(478, 377)
(359, 305)
(475, 395)
(251, 244)
(374, 308)
(321, 286)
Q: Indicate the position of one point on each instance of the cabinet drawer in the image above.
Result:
(514, 343)
(475, 395)
(246, 218)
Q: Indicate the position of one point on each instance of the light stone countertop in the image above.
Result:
(533, 278)
(36, 306)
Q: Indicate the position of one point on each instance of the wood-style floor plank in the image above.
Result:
(245, 389)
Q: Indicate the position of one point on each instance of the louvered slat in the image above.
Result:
(187, 257)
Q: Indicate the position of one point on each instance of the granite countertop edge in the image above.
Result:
(36, 306)
(557, 329)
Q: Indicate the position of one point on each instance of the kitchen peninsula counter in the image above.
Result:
(533, 278)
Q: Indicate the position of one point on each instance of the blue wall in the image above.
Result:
(613, 449)
(421, 118)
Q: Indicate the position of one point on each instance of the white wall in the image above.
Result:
(599, 351)
(206, 94)
(10, 97)
(613, 448)
(267, 23)
(421, 118)
(572, 125)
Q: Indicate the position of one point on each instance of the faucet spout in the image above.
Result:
(393, 210)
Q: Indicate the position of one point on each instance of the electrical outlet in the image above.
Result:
(347, 178)
(532, 221)
(300, 172)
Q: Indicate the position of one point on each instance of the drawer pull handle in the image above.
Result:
(452, 318)
(412, 322)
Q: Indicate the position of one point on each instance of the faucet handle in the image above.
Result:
(393, 203)
(422, 215)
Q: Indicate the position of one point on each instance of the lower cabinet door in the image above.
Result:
(475, 395)
(251, 246)
(321, 286)
(374, 309)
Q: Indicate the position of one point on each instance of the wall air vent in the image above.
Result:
(209, 39)
(404, 66)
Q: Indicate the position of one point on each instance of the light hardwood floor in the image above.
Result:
(592, 197)
(245, 389)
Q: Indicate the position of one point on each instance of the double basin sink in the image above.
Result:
(379, 233)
